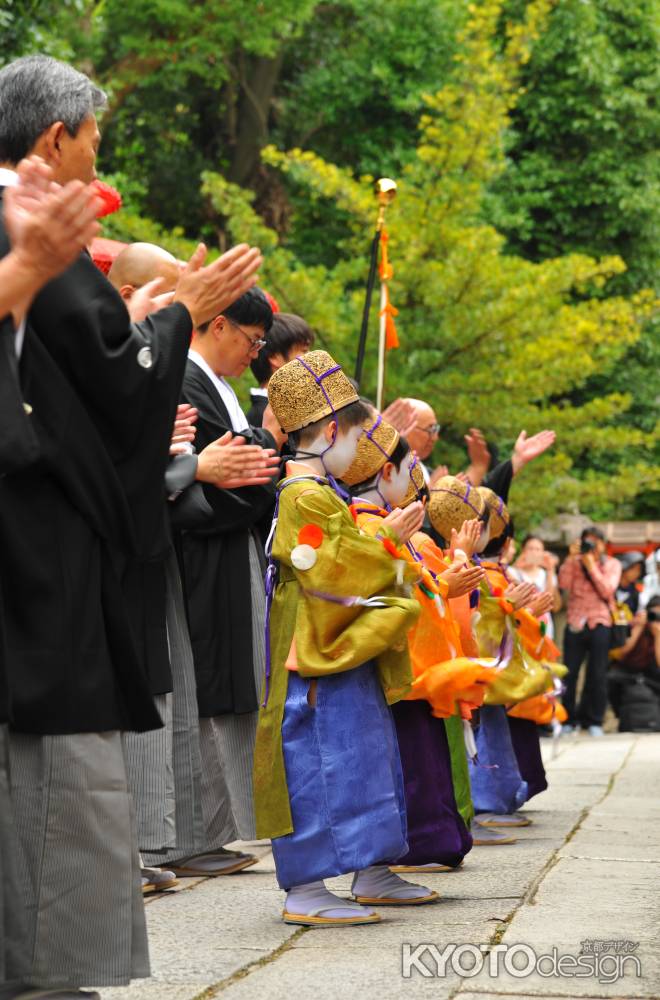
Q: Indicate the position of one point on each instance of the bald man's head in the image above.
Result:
(140, 263)
(425, 433)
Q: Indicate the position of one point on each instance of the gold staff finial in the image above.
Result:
(385, 189)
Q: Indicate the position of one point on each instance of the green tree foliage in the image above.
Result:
(192, 86)
(28, 26)
(197, 87)
(527, 179)
(488, 337)
(583, 171)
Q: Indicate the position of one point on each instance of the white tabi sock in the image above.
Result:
(379, 882)
(312, 897)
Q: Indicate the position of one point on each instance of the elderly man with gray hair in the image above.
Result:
(48, 231)
(102, 395)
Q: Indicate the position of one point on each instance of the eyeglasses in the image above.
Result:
(430, 430)
(255, 345)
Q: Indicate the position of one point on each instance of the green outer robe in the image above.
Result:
(330, 637)
(459, 768)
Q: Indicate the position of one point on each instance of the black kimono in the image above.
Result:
(216, 567)
(499, 479)
(18, 448)
(77, 526)
(258, 403)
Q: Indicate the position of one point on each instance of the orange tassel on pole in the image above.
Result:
(388, 311)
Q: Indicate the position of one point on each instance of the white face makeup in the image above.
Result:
(337, 458)
(395, 488)
(484, 538)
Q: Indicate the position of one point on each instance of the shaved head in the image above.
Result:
(140, 263)
(425, 433)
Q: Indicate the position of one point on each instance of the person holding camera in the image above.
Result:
(590, 579)
(634, 677)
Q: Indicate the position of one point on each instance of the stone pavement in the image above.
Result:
(586, 870)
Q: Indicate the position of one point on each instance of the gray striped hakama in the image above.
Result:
(13, 890)
(75, 822)
(149, 769)
(227, 743)
(184, 723)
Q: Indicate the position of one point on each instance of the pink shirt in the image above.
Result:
(589, 603)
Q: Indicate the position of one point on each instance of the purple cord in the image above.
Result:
(441, 489)
(271, 574)
(319, 381)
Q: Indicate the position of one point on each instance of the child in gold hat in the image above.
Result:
(429, 728)
(328, 786)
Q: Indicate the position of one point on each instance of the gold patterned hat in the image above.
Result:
(452, 503)
(499, 515)
(376, 445)
(308, 388)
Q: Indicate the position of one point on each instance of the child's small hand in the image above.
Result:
(404, 523)
(467, 538)
(461, 578)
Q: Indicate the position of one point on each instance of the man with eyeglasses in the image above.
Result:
(423, 433)
(222, 569)
(416, 421)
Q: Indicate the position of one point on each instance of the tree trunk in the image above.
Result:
(257, 78)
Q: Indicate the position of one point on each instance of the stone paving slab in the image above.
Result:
(585, 869)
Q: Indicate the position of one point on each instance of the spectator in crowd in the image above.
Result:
(632, 570)
(590, 579)
(639, 658)
(651, 583)
(288, 337)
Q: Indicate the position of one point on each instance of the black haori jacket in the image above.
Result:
(80, 523)
(18, 448)
(215, 567)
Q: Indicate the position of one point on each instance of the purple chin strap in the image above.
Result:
(370, 434)
(271, 572)
(413, 465)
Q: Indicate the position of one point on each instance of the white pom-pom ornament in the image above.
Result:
(303, 557)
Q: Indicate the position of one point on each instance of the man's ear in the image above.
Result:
(126, 292)
(276, 361)
(217, 326)
(49, 144)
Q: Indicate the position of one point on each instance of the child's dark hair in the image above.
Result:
(496, 545)
(348, 416)
(402, 449)
(287, 331)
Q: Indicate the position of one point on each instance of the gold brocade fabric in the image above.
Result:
(298, 400)
(329, 637)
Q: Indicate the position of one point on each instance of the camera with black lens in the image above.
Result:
(653, 615)
(586, 546)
